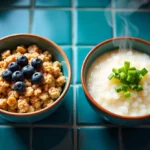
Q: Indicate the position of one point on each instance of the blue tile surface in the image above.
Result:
(11, 25)
(52, 139)
(136, 138)
(64, 114)
(56, 3)
(137, 4)
(93, 3)
(12, 138)
(85, 113)
(98, 139)
(92, 27)
(129, 24)
(55, 25)
(5, 3)
(79, 55)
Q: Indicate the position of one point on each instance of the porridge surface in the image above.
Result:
(103, 90)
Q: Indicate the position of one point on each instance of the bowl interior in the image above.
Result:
(12, 42)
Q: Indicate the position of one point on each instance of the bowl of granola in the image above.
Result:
(35, 76)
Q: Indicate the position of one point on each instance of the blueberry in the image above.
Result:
(36, 63)
(28, 71)
(22, 61)
(17, 76)
(13, 66)
(37, 77)
(19, 86)
(7, 75)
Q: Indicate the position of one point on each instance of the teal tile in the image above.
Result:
(93, 3)
(98, 139)
(55, 3)
(64, 114)
(68, 52)
(79, 56)
(132, 4)
(92, 27)
(85, 113)
(11, 22)
(52, 139)
(14, 3)
(55, 25)
(136, 138)
(129, 24)
(14, 138)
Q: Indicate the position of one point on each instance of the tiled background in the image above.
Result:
(76, 25)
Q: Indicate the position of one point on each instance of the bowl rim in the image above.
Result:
(68, 77)
(99, 107)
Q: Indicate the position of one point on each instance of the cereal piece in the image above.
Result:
(23, 106)
(33, 48)
(34, 99)
(44, 96)
(60, 81)
(56, 64)
(37, 92)
(3, 103)
(11, 110)
(48, 56)
(29, 56)
(54, 92)
(47, 67)
(27, 82)
(13, 93)
(28, 91)
(56, 72)
(3, 65)
(9, 59)
(5, 54)
(47, 103)
(37, 104)
(14, 106)
(21, 49)
(3, 86)
(41, 56)
(45, 87)
(35, 86)
(49, 79)
(22, 97)
(31, 109)
(11, 101)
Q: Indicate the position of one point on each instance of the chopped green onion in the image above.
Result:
(110, 76)
(139, 88)
(130, 79)
(127, 94)
(118, 89)
(138, 72)
(126, 65)
(122, 75)
(115, 71)
(144, 71)
(121, 70)
(139, 77)
(132, 68)
(133, 86)
(132, 72)
(116, 76)
(124, 87)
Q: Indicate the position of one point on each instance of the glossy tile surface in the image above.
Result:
(56, 25)
(93, 3)
(85, 113)
(136, 138)
(11, 25)
(52, 139)
(98, 139)
(14, 138)
(92, 27)
(129, 24)
(4, 3)
(54, 3)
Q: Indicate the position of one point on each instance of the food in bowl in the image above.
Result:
(107, 90)
(29, 79)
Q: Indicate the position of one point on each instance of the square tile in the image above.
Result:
(12, 25)
(56, 25)
(85, 113)
(14, 138)
(52, 139)
(136, 4)
(79, 56)
(136, 138)
(54, 3)
(68, 52)
(93, 3)
(98, 139)
(14, 3)
(129, 24)
(92, 27)
(64, 114)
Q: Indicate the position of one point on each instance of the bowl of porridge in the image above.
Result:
(35, 76)
(116, 80)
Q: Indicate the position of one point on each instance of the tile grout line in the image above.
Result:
(113, 19)
(31, 16)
